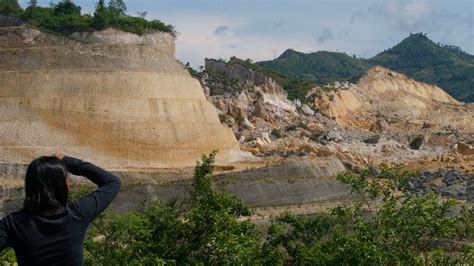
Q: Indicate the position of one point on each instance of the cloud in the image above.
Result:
(377, 24)
(224, 30)
(279, 24)
(206, 36)
(410, 15)
(356, 15)
(325, 35)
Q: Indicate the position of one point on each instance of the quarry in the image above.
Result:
(124, 102)
(314, 157)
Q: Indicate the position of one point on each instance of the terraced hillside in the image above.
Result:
(116, 98)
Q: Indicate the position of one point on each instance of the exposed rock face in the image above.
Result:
(464, 148)
(6, 21)
(287, 183)
(448, 183)
(387, 92)
(115, 98)
(385, 117)
(252, 103)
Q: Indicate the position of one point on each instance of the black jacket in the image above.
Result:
(58, 239)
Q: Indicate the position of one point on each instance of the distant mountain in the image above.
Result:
(416, 56)
(420, 58)
(320, 67)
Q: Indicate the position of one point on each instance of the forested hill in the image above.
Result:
(416, 56)
(320, 67)
(420, 58)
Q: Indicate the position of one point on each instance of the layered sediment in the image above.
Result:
(290, 183)
(115, 98)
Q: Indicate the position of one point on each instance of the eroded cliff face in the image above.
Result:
(115, 98)
(384, 118)
(385, 93)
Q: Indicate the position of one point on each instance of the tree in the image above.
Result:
(10, 8)
(259, 97)
(33, 13)
(101, 16)
(33, 3)
(207, 232)
(67, 7)
(117, 8)
(394, 227)
(142, 14)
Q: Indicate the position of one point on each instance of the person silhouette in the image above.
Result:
(49, 229)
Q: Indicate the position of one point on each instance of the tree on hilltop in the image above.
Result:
(10, 8)
(117, 8)
(33, 3)
(67, 7)
(101, 16)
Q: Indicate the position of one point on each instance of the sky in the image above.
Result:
(263, 29)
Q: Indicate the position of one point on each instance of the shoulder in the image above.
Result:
(74, 210)
(15, 217)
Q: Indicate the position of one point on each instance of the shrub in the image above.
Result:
(316, 136)
(209, 232)
(65, 18)
(417, 142)
(406, 229)
(277, 133)
(291, 128)
(67, 7)
(10, 8)
(391, 226)
(215, 90)
(249, 139)
(302, 125)
(101, 16)
(67, 24)
(37, 16)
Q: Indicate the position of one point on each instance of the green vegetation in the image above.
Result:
(281, 79)
(10, 8)
(391, 226)
(417, 56)
(277, 133)
(296, 89)
(209, 232)
(405, 230)
(215, 90)
(417, 142)
(320, 67)
(65, 17)
(422, 59)
(316, 136)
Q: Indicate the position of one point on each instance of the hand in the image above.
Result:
(59, 155)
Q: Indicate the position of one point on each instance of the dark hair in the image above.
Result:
(45, 185)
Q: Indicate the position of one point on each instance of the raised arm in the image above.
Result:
(96, 202)
(3, 234)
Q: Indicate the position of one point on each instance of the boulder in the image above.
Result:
(464, 149)
(418, 142)
(307, 110)
(379, 125)
(372, 140)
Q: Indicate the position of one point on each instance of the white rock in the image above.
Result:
(297, 103)
(307, 110)
(248, 124)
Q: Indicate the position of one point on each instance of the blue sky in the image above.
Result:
(263, 29)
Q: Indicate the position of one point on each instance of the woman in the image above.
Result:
(49, 230)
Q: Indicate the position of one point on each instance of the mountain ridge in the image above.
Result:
(416, 56)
